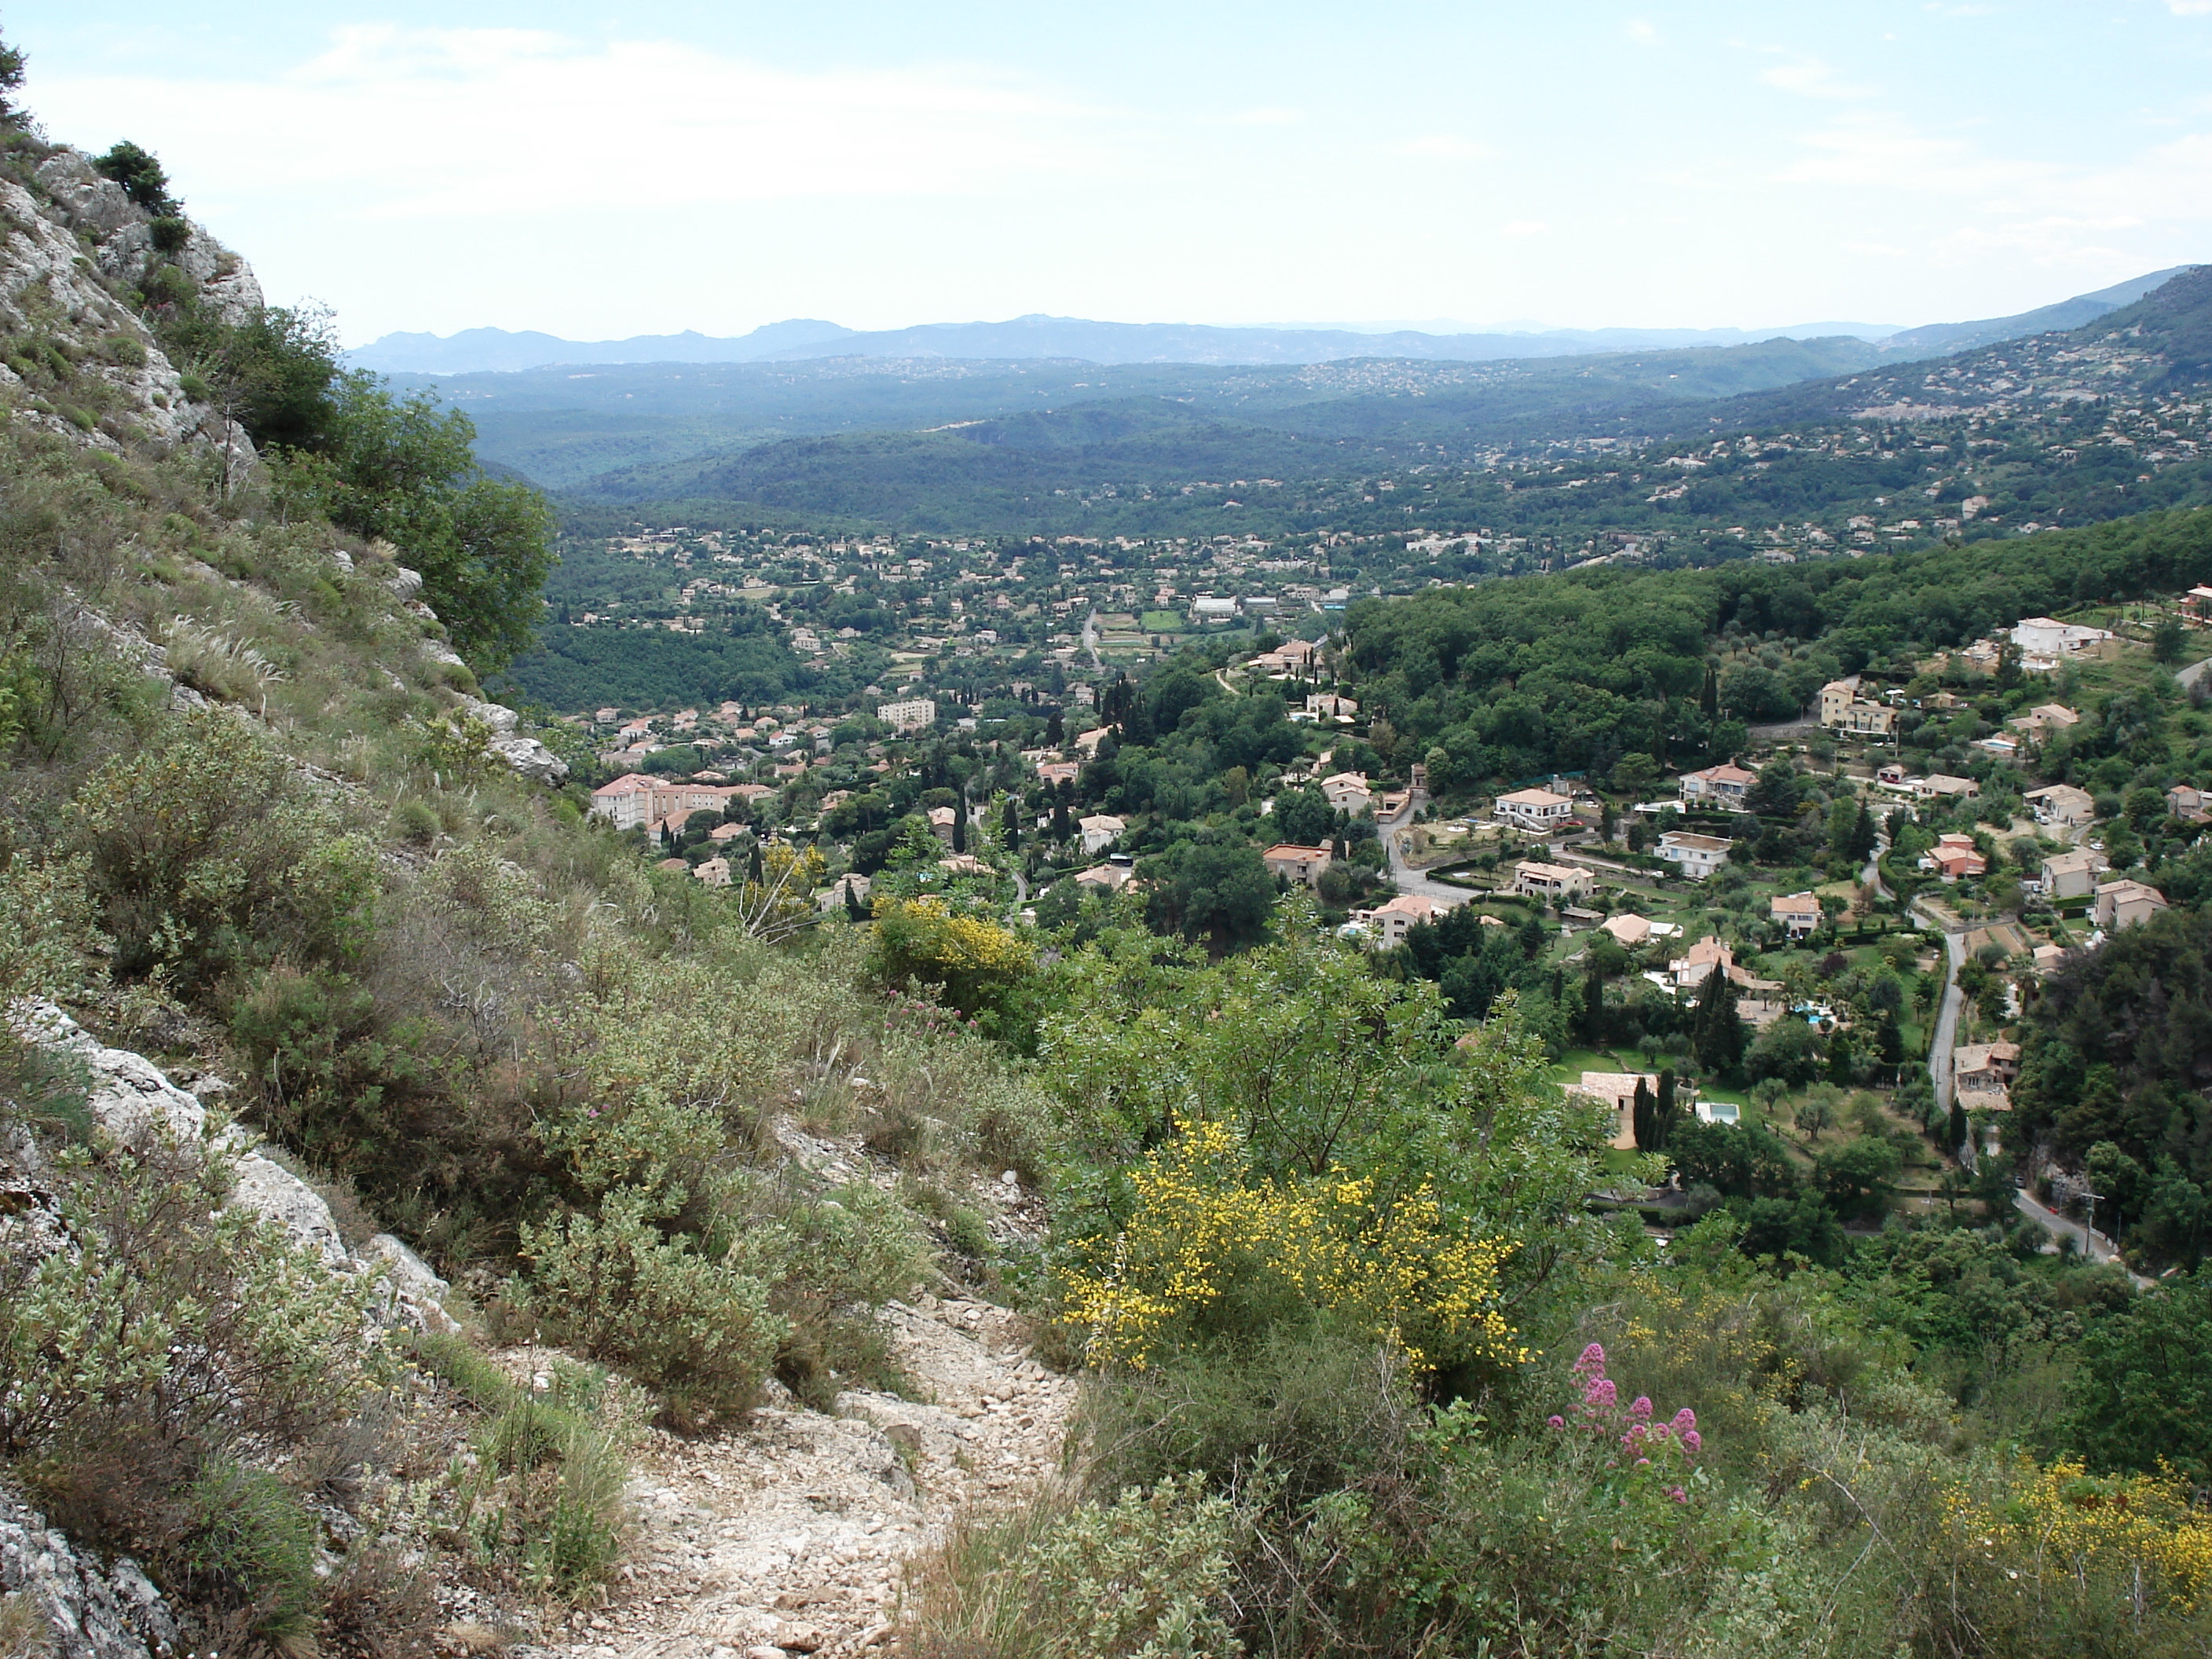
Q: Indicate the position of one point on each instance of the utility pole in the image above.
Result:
(2091, 1235)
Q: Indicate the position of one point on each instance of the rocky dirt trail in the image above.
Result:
(789, 1536)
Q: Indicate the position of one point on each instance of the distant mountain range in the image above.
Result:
(479, 350)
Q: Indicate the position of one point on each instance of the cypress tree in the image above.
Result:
(853, 909)
(1011, 826)
(1642, 1118)
(1716, 1029)
(1960, 1127)
(1708, 699)
(1664, 1110)
(960, 826)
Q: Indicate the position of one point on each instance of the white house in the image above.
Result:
(1537, 810)
(1348, 791)
(1389, 924)
(1696, 856)
(2072, 875)
(2062, 804)
(1100, 831)
(2042, 636)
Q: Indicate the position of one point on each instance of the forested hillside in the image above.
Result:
(1509, 679)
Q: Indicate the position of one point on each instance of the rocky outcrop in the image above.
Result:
(130, 1100)
(525, 755)
(89, 1611)
(123, 232)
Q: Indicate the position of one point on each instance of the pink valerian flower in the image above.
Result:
(1556, 1421)
(1692, 1442)
(1678, 1495)
(1592, 1363)
(1684, 1420)
(1640, 1408)
(1600, 1396)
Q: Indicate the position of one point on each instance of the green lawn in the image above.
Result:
(1161, 621)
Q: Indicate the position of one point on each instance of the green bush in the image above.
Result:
(694, 1328)
(206, 851)
(1145, 1576)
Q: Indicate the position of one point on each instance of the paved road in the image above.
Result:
(1404, 876)
(2096, 1245)
(2188, 677)
(1091, 640)
(1947, 1024)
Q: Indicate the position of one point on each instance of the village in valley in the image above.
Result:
(1869, 892)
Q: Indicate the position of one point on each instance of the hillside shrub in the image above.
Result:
(1144, 1576)
(695, 1328)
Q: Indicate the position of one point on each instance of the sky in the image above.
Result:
(597, 172)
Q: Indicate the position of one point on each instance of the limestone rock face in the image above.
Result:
(418, 1295)
(90, 1612)
(130, 1098)
(532, 758)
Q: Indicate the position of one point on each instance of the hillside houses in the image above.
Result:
(1536, 810)
(1554, 884)
(1302, 864)
(2072, 875)
(2125, 903)
(1388, 924)
(1694, 855)
(1844, 708)
(1725, 786)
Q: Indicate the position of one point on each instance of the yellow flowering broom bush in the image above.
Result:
(2055, 1541)
(1211, 1250)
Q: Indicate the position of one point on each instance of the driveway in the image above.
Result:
(1403, 876)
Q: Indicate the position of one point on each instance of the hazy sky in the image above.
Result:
(597, 172)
